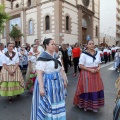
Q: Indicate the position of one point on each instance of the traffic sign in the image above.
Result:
(88, 37)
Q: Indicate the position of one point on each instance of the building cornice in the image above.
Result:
(16, 11)
(84, 9)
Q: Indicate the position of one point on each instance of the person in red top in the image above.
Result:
(76, 51)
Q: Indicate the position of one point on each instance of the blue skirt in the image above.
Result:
(51, 106)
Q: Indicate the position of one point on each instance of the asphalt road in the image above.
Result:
(20, 108)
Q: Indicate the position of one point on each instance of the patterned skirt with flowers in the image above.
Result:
(31, 80)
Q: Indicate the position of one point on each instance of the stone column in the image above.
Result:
(7, 31)
(58, 20)
(23, 26)
(99, 25)
(79, 25)
(2, 1)
(92, 28)
(39, 22)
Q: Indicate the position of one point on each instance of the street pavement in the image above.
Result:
(20, 108)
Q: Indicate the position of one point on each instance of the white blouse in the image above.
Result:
(87, 61)
(113, 48)
(1, 53)
(100, 52)
(6, 60)
(33, 58)
(105, 50)
(48, 66)
(109, 51)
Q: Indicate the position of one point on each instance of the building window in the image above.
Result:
(17, 5)
(47, 22)
(84, 23)
(29, 3)
(86, 2)
(67, 22)
(30, 27)
(96, 31)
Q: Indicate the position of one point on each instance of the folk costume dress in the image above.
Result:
(23, 61)
(11, 85)
(31, 72)
(51, 106)
(89, 92)
(1, 54)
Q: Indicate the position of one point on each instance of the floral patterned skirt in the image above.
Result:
(31, 80)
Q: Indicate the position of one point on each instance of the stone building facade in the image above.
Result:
(66, 21)
(118, 22)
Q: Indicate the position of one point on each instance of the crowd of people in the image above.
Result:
(46, 67)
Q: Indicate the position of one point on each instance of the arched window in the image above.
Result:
(67, 22)
(29, 3)
(30, 27)
(47, 22)
(17, 5)
(96, 31)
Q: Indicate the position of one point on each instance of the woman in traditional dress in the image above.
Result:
(1, 53)
(23, 55)
(89, 93)
(31, 73)
(117, 60)
(49, 91)
(11, 82)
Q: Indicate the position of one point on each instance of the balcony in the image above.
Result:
(118, 31)
(118, 1)
(118, 16)
(118, 23)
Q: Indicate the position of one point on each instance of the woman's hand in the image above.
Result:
(93, 70)
(11, 73)
(42, 92)
(65, 83)
(98, 69)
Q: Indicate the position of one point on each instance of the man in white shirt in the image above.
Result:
(1, 53)
(101, 54)
(105, 55)
(109, 54)
(40, 48)
(96, 48)
(113, 50)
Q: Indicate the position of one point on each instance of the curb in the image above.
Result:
(102, 66)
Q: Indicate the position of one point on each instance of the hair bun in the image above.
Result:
(46, 41)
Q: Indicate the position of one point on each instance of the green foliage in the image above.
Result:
(4, 17)
(15, 32)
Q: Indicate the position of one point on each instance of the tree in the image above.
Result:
(4, 17)
(15, 33)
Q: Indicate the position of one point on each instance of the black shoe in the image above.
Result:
(18, 96)
(10, 100)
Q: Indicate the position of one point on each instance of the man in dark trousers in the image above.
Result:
(65, 57)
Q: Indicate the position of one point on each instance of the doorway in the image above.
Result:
(84, 30)
(17, 43)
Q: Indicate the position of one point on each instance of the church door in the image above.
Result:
(17, 43)
(84, 35)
